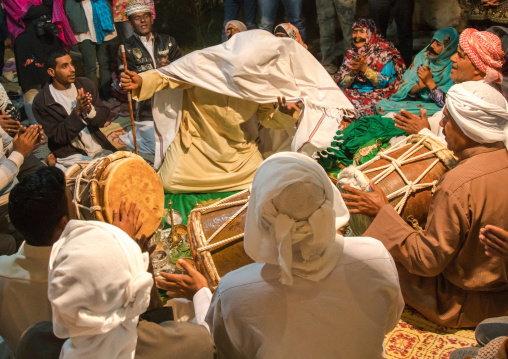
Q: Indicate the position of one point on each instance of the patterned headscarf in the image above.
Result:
(441, 66)
(377, 52)
(291, 31)
(484, 50)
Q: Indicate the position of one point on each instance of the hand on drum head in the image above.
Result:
(495, 241)
(127, 221)
(182, 285)
(410, 122)
(367, 203)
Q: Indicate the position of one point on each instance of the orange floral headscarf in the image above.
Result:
(291, 31)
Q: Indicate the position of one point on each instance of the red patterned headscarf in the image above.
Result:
(291, 31)
(484, 50)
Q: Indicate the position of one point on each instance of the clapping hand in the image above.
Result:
(25, 139)
(83, 102)
(359, 64)
(411, 123)
(8, 124)
(425, 75)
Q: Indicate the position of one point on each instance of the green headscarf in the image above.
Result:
(440, 66)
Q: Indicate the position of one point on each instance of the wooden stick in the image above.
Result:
(129, 97)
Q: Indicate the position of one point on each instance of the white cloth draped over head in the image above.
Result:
(294, 211)
(480, 110)
(98, 286)
(256, 66)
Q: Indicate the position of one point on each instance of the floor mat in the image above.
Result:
(417, 338)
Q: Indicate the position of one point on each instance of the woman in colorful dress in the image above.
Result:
(426, 82)
(372, 69)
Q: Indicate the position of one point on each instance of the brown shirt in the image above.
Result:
(444, 271)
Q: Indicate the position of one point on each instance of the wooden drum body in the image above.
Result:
(99, 186)
(407, 173)
(216, 237)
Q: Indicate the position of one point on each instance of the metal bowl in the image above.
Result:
(177, 217)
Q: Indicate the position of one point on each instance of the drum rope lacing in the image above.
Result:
(220, 205)
(209, 247)
(396, 164)
(90, 166)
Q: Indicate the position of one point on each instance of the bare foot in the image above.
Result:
(51, 160)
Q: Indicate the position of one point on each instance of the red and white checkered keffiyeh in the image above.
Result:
(484, 50)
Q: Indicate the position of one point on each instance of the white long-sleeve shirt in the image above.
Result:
(10, 161)
(345, 315)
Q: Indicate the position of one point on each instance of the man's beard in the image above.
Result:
(359, 39)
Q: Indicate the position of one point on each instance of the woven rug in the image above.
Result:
(417, 338)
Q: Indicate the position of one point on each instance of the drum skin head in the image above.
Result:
(133, 179)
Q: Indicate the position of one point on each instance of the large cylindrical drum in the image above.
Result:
(408, 174)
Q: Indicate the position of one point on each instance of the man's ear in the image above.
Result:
(51, 72)
(62, 223)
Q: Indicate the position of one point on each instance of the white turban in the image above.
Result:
(480, 110)
(98, 286)
(294, 211)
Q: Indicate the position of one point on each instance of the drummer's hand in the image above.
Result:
(130, 80)
(410, 122)
(182, 285)
(367, 203)
(144, 243)
(127, 221)
(495, 240)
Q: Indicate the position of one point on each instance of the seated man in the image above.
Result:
(443, 269)
(479, 57)
(427, 80)
(99, 289)
(71, 112)
(234, 27)
(39, 207)
(13, 153)
(372, 69)
(311, 293)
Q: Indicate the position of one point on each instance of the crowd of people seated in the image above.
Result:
(71, 288)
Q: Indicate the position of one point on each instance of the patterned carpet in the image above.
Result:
(417, 338)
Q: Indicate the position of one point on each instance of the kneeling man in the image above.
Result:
(443, 269)
(71, 113)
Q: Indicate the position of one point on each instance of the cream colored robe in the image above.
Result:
(215, 148)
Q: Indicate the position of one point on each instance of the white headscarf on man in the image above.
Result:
(480, 111)
(293, 214)
(98, 286)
